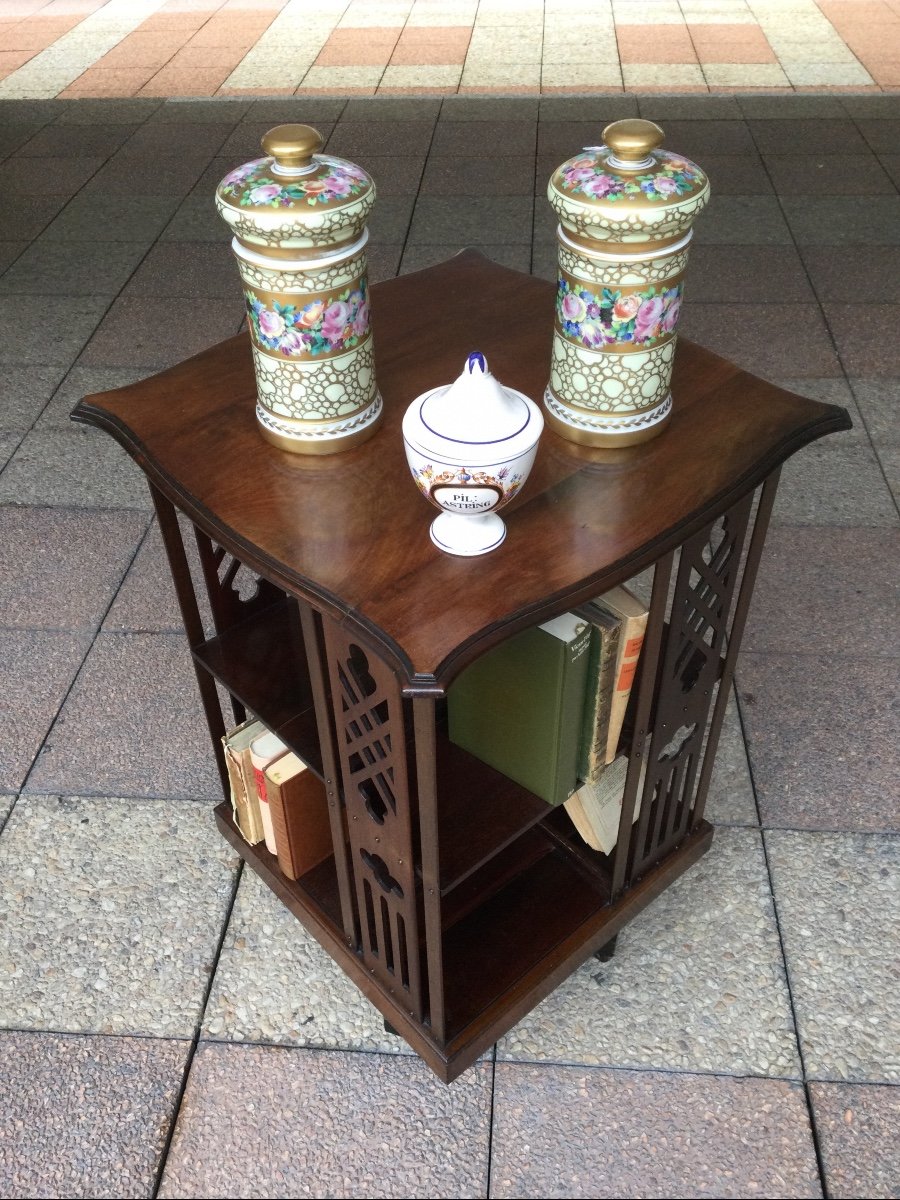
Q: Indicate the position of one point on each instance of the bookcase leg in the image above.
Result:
(605, 953)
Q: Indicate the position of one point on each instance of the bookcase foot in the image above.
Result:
(605, 953)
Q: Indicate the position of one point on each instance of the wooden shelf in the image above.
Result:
(261, 661)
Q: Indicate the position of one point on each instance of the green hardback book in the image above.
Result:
(520, 707)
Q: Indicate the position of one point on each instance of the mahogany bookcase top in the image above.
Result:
(349, 532)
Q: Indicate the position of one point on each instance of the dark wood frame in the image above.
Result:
(455, 899)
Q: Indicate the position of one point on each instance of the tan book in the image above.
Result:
(299, 809)
(264, 750)
(599, 692)
(633, 614)
(596, 808)
(244, 801)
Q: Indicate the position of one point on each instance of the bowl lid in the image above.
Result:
(294, 176)
(629, 171)
(476, 410)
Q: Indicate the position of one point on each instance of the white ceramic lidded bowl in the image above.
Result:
(470, 447)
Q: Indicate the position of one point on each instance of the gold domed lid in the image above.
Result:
(629, 169)
(294, 175)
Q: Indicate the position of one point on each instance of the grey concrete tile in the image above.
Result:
(146, 600)
(392, 108)
(730, 800)
(245, 140)
(275, 983)
(203, 270)
(889, 457)
(25, 393)
(743, 221)
(834, 592)
(104, 218)
(857, 1125)
(838, 909)
(384, 261)
(772, 340)
(841, 271)
(6, 805)
(10, 251)
(879, 403)
(123, 110)
(830, 391)
(53, 268)
(599, 109)
(859, 331)
(86, 1116)
(791, 106)
(80, 467)
(757, 274)
(872, 106)
(500, 139)
(22, 218)
(305, 109)
(160, 174)
(36, 669)
(78, 383)
(155, 332)
(697, 108)
(834, 482)
(561, 140)
(197, 221)
(843, 220)
(496, 108)
(821, 732)
(131, 726)
(187, 111)
(891, 164)
(62, 140)
(389, 221)
(60, 569)
(630, 1133)
(483, 220)
(881, 134)
(544, 262)
(119, 906)
(199, 140)
(697, 982)
(473, 176)
(47, 330)
(807, 135)
(697, 138)
(415, 258)
(394, 175)
(327, 1123)
(58, 176)
(737, 175)
(352, 138)
(9, 443)
(828, 175)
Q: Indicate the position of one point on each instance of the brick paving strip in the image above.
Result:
(165, 48)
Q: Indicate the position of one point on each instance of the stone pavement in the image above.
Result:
(390, 47)
(167, 1027)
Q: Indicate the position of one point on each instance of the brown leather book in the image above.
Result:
(299, 810)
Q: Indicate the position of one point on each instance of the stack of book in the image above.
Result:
(275, 798)
(547, 708)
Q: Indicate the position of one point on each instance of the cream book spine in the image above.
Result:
(633, 614)
(265, 750)
(596, 808)
(244, 801)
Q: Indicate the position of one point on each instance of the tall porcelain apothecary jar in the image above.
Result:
(625, 213)
(299, 223)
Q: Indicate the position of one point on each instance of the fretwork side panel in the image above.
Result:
(368, 715)
(709, 569)
(235, 592)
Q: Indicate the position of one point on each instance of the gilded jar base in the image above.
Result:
(590, 428)
(320, 437)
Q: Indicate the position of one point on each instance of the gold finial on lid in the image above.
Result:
(292, 146)
(632, 140)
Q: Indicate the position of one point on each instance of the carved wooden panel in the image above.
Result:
(368, 714)
(708, 573)
(235, 592)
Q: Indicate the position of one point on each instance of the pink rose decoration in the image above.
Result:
(334, 321)
(239, 174)
(310, 314)
(648, 317)
(579, 174)
(337, 185)
(573, 307)
(583, 161)
(264, 193)
(361, 320)
(626, 307)
(271, 324)
(592, 334)
(600, 185)
(664, 185)
(291, 343)
(670, 320)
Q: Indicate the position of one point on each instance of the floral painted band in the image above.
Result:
(320, 327)
(617, 319)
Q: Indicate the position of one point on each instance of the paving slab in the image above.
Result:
(566, 1131)
(857, 1126)
(47, 330)
(835, 482)
(78, 383)
(76, 467)
(327, 1123)
(155, 332)
(146, 600)
(697, 982)
(53, 268)
(53, 1143)
(26, 391)
(730, 800)
(118, 908)
(838, 901)
(821, 731)
(137, 698)
(60, 569)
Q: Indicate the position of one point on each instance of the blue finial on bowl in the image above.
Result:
(477, 358)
